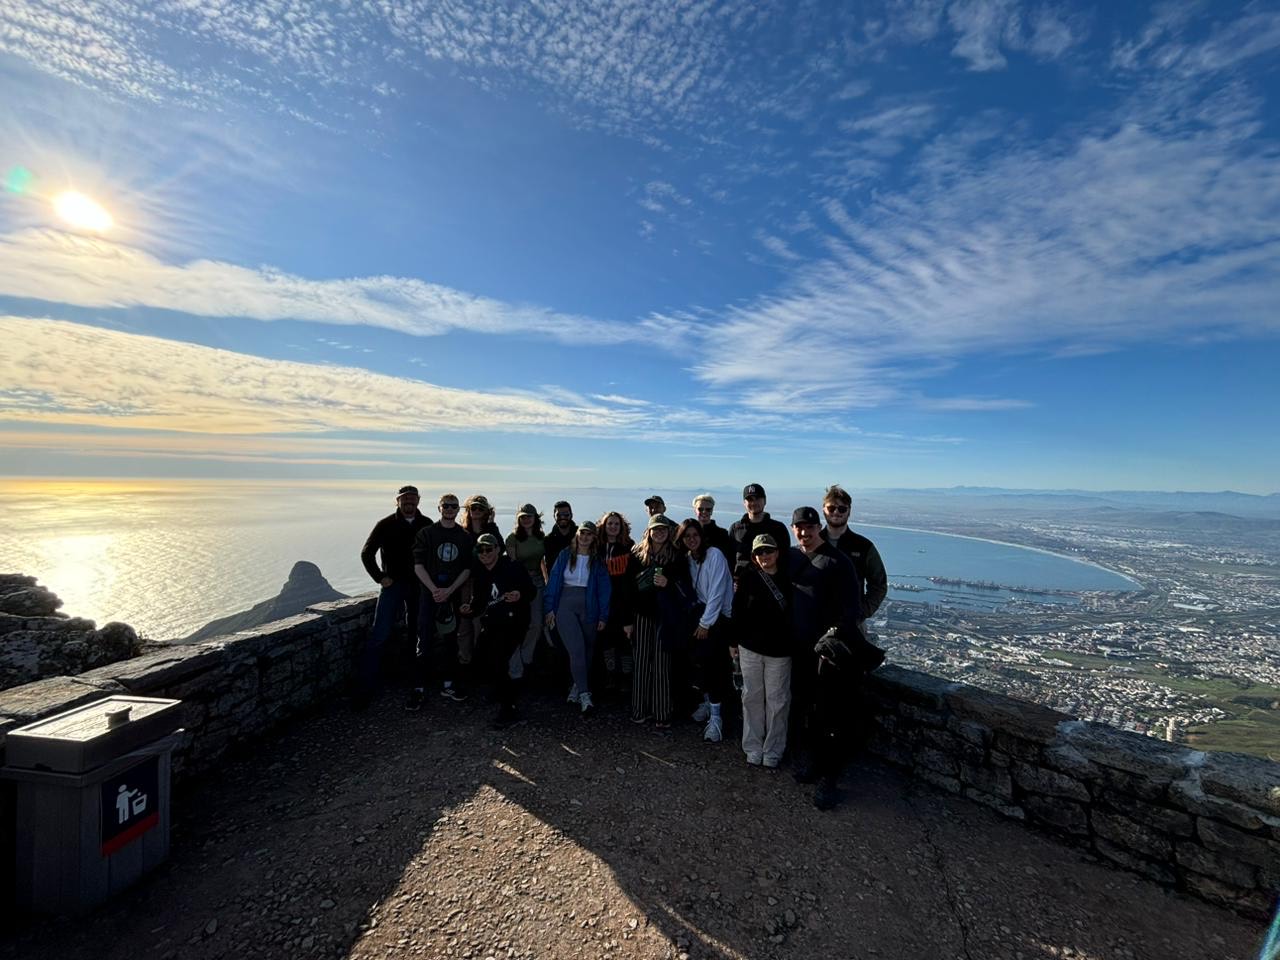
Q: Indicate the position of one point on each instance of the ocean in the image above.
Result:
(169, 556)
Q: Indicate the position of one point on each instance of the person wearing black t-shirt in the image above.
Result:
(441, 561)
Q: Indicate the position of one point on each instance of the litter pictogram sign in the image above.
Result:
(130, 805)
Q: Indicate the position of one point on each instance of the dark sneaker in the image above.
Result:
(416, 698)
(825, 797)
(507, 715)
(452, 693)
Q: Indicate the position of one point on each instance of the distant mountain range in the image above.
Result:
(1228, 502)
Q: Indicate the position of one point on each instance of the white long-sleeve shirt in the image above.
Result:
(714, 586)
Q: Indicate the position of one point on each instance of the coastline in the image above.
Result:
(1007, 543)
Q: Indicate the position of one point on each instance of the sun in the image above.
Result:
(81, 212)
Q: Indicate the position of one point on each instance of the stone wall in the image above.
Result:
(234, 688)
(1208, 824)
(1205, 823)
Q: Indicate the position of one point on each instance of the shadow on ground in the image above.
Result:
(389, 834)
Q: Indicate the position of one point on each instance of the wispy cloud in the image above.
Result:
(64, 373)
(88, 272)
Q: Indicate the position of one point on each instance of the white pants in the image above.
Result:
(766, 699)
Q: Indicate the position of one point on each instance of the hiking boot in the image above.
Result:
(804, 771)
(416, 697)
(703, 713)
(714, 731)
(452, 693)
(587, 705)
(825, 797)
(573, 694)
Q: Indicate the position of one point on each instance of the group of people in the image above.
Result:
(684, 613)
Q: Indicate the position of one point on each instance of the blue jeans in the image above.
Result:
(435, 652)
(400, 597)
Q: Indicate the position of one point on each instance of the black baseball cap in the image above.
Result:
(408, 488)
(653, 498)
(753, 490)
(804, 515)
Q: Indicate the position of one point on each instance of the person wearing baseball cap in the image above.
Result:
(754, 522)
(496, 600)
(714, 535)
(827, 598)
(392, 538)
(655, 505)
(762, 638)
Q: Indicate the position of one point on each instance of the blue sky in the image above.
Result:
(908, 243)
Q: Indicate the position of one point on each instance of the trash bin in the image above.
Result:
(92, 800)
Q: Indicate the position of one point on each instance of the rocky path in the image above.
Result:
(393, 834)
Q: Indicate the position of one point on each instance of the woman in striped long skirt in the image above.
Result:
(663, 572)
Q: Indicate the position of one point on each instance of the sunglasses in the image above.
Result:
(836, 508)
(480, 507)
(486, 549)
(765, 550)
(448, 506)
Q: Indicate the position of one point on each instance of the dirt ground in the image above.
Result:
(386, 833)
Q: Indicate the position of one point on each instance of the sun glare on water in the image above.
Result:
(81, 212)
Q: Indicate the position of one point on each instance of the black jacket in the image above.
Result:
(760, 622)
(486, 588)
(869, 566)
(743, 532)
(393, 536)
(827, 594)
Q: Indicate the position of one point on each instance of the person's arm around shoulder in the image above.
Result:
(603, 589)
(555, 584)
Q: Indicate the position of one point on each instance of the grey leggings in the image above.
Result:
(577, 633)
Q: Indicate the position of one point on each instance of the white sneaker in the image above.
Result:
(715, 730)
(703, 713)
(573, 694)
(587, 705)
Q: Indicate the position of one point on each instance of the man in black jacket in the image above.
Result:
(499, 594)
(392, 537)
(836, 504)
(827, 597)
(753, 523)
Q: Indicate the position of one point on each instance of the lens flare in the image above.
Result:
(18, 179)
(81, 212)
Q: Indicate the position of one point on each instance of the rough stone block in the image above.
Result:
(1028, 721)
(998, 759)
(1145, 757)
(1027, 751)
(1174, 822)
(950, 784)
(1065, 758)
(361, 605)
(995, 803)
(1189, 795)
(912, 687)
(1226, 869)
(1155, 871)
(1252, 902)
(32, 701)
(160, 670)
(974, 733)
(891, 750)
(1249, 847)
(941, 740)
(1066, 816)
(1048, 782)
(938, 760)
(1131, 835)
(1120, 782)
(1252, 781)
(927, 718)
(993, 780)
